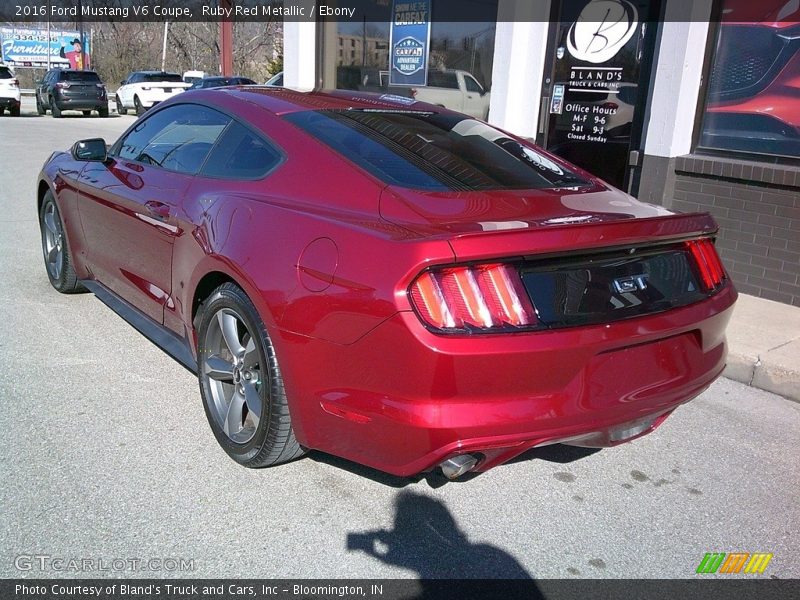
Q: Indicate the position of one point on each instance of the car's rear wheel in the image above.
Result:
(138, 104)
(241, 383)
(121, 110)
(54, 109)
(57, 259)
(15, 111)
(103, 111)
(40, 109)
(86, 113)
(2, 110)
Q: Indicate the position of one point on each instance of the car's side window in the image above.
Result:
(241, 154)
(472, 85)
(177, 138)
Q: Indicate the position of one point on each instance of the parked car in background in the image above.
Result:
(212, 82)
(437, 293)
(68, 89)
(144, 89)
(276, 80)
(9, 92)
(192, 76)
(456, 90)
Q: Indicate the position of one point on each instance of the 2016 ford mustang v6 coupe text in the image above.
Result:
(385, 280)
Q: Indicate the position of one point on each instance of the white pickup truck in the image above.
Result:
(144, 89)
(456, 90)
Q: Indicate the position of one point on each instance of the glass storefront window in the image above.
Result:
(355, 56)
(753, 94)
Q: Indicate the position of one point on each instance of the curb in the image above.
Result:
(764, 375)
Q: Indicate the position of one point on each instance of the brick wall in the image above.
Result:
(757, 207)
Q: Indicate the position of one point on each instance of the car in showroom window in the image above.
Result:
(386, 280)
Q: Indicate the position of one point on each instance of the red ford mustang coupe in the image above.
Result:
(385, 280)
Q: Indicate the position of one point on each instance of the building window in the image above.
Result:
(752, 102)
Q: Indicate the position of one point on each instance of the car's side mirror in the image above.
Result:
(123, 82)
(90, 150)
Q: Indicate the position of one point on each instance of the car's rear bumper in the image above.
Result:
(80, 102)
(9, 102)
(402, 399)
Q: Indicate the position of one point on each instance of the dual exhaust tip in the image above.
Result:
(455, 467)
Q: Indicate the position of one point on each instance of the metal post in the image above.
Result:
(83, 47)
(226, 42)
(164, 47)
(49, 50)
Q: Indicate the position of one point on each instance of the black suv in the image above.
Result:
(67, 89)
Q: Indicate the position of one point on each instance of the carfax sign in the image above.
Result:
(409, 42)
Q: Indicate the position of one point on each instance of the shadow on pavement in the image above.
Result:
(427, 540)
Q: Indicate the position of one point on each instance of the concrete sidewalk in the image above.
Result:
(764, 346)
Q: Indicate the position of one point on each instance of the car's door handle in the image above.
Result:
(158, 210)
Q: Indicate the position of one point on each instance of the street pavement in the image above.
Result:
(107, 455)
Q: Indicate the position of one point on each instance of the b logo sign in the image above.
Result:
(602, 30)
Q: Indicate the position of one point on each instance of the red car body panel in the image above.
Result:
(327, 253)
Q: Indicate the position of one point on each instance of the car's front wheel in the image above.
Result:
(40, 109)
(138, 105)
(54, 109)
(121, 110)
(241, 383)
(57, 259)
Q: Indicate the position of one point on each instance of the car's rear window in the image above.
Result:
(162, 77)
(88, 76)
(433, 151)
(5, 73)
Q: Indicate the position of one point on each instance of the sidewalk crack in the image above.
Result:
(753, 372)
(784, 344)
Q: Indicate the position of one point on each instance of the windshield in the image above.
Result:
(162, 77)
(88, 76)
(5, 73)
(433, 151)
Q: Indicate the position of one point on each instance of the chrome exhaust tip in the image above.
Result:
(455, 467)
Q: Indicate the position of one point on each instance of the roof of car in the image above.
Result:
(284, 100)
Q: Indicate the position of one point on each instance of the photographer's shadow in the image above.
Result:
(426, 539)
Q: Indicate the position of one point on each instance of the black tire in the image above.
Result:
(103, 111)
(140, 110)
(121, 110)
(2, 110)
(56, 112)
(63, 278)
(40, 109)
(86, 113)
(15, 111)
(271, 441)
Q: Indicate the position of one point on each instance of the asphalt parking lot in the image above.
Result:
(106, 454)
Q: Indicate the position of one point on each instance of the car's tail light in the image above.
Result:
(63, 85)
(413, 92)
(14, 83)
(705, 256)
(481, 297)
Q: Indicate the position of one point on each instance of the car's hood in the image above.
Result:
(434, 213)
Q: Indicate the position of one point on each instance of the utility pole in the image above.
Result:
(226, 42)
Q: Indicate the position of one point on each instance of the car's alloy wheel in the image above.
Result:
(138, 104)
(240, 382)
(121, 110)
(57, 259)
